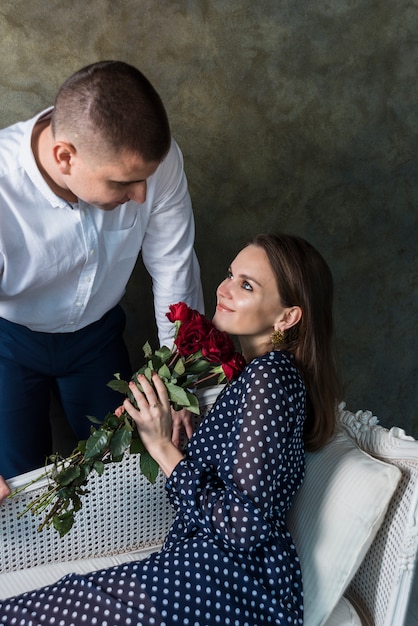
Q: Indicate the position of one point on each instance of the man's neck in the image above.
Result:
(42, 145)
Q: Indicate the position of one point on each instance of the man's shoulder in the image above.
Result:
(172, 162)
(13, 130)
(11, 139)
(15, 140)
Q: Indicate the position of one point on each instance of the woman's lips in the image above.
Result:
(222, 307)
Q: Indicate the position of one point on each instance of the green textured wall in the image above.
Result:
(292, 115)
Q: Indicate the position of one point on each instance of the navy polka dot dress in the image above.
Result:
(228, 558)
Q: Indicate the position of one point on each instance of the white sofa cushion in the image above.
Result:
(344, 614)
(20, 581)
(334, 519)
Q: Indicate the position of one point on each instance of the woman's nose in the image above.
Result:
(223, 289)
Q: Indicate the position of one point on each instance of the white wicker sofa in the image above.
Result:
(354, 523)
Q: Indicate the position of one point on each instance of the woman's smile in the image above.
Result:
(222, 308)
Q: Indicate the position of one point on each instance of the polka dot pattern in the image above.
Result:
(228, 558)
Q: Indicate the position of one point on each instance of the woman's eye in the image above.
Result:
(229, 274)
(246, 285)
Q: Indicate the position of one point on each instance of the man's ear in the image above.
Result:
(64, 153)
(290, 317)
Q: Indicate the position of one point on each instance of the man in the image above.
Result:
(85, 187)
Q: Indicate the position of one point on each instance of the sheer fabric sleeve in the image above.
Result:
(240, 498)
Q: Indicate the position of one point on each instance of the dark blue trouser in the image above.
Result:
(79, 364)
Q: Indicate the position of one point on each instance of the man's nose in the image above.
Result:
(138, 192)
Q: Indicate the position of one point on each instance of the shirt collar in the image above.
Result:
(28, 161)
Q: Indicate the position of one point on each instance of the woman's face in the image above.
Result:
(248, 301)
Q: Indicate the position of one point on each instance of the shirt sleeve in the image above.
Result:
(168, 246)
(241, 500)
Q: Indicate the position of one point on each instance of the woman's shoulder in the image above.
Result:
(277, 364)
(274, 358)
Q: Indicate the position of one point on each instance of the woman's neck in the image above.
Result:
(251, 350)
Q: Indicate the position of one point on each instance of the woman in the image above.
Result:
(4, 489)
(228, 557)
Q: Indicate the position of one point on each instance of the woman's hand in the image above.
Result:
(4, 489)
(153, 421)
(181, 420)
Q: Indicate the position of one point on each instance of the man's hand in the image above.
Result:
(4, 489)
(182, 420)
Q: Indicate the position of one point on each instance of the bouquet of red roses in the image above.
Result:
(200, 352)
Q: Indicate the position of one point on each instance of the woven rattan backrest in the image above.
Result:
(382, 585)
(123, 512)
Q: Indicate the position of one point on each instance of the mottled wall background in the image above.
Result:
(297, 116)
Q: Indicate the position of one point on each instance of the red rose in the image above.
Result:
(234, 366)
(192, 334)
(218, 346)
(180, 312)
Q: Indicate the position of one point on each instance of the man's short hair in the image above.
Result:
(115, 103)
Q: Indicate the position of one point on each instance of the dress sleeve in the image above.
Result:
(168, 246)
(260, 466)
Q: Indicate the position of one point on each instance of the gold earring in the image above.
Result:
(277, 337)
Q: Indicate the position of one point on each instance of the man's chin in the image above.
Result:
(107, 207)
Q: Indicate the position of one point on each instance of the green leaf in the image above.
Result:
(137, 447)
(200, 367)
(119, 385)
(193, 403)
(120, 442)
(111, 422)
(128, 423)
(148, 374)
(76, 502)
(93, 419)
(81, 447)
(164, 372)
(221, 378)
(64, 522)
(164, 354)
(66, 476)
(85, 470)
(99, 467)
(177, 395)
(155, 362)
(179, 367)
(149, 467)
(147, 350)
(97, 443)
(65, 493)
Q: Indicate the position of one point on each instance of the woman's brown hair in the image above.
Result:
(305, 280)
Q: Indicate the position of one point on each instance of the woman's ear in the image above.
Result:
(290, 317)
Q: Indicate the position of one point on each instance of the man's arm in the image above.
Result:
(168, 246)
